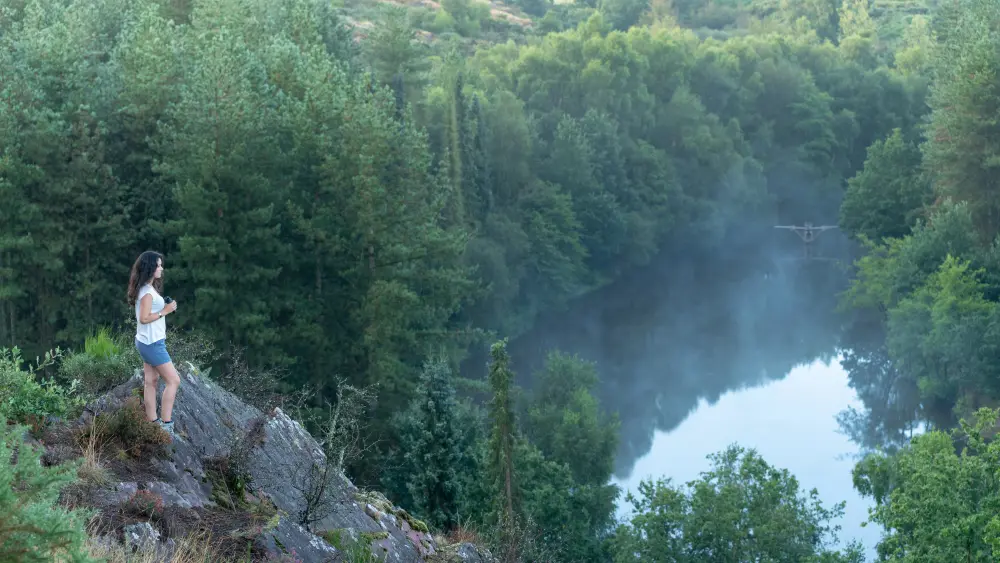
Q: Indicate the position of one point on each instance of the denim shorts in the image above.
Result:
(154, 354)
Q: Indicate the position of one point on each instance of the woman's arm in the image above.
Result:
(145, 306)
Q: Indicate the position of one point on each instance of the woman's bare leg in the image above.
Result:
(173, 381)
(149, 378)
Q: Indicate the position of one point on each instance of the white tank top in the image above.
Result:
(156, 330)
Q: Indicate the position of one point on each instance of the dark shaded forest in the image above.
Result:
(363, 201)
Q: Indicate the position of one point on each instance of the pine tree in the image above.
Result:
(34, 528)
(97, 212)
(456, 134)
(430, 440)
(476, 178)
(222, 161)
(392, 51)
(16, 242)
(962, 151)
(506, 500)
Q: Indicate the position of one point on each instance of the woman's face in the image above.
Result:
(159, 269)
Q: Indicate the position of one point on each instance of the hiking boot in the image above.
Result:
(168, 427)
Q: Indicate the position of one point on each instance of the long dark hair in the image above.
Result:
(142, 273)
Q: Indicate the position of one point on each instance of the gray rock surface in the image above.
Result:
(280, 456)
(142, 536)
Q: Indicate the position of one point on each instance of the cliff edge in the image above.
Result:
(256, 483)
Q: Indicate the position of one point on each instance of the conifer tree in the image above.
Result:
(500, 462)
(962, 150)
(430, 439)
(476, 177)
(33, 527)
(229, 248)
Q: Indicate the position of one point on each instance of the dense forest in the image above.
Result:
(355, 197)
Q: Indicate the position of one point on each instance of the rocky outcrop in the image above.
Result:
(248, 475)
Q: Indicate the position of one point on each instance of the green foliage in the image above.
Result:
(938, 498)
(359, 551)
(397, 59)
(503, 437)
(886, 197)
(913, 58)
(962, 150)
(334, 222)
(564, 419)
(101, 345)
(105, 363)
(357, 221)
(467, 15)
(711, 519)
(576, 446)
(96, 375)
(431, 448)
(25, 398)
(936, 335)
(34, 528)
(935, 295)
(622, 14)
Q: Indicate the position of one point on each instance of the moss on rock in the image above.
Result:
(381, 503)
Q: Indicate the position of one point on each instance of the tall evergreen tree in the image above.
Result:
(430, 442)
(962, 151)
(503, 439)
(219, 156)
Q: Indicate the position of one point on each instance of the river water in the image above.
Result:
(790, 422)
(696, 354)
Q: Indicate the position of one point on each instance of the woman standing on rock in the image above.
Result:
(144, 287)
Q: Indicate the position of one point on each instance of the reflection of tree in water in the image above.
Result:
(672, 334)
(891, 403)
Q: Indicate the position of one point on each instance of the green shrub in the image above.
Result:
(96, 375)
(105, 363)
(33, 527)
(101, 346)
(27, 400)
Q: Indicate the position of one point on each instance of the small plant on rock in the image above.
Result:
(342, 439)
(232, 471)
(354, 550)
(144, 503)
(92, 471)
(127, 428)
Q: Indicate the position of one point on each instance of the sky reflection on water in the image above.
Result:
(792, 424)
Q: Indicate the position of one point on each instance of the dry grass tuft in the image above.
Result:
(464, 533)
(127, 428)
(92, 471)
(197, 548)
